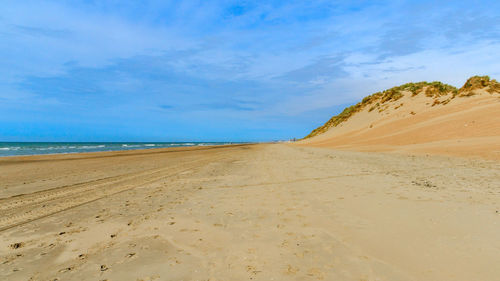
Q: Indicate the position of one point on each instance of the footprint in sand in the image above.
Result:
(17, 245)
(291, 270)
(67, 269)
(317, 273)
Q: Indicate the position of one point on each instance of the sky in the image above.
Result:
(223, 70)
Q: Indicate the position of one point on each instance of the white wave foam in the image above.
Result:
(130, 145)
(91, 146)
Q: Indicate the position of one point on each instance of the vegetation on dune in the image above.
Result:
(336, 120)
(433, 90)
(479, 82)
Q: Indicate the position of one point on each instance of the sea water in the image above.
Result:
(36, 148)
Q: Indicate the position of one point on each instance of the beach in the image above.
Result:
(249, 212)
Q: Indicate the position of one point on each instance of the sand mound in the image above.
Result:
(420, 117)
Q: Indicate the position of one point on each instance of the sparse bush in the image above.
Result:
(479, 82)
(446, 101)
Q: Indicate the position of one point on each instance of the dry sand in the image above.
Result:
(249, 212)
(466, 126)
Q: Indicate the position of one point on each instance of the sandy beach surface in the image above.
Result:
(249, 212)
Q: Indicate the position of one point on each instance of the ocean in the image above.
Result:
(37, 148)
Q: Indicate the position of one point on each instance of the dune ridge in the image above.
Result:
(420, 117)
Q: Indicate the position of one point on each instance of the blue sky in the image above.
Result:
(223, 70)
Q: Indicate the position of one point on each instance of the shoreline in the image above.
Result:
(141, 150)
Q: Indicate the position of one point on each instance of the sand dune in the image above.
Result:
(249, 212)
(465, 122)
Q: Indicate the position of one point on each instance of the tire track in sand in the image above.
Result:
(25, 208)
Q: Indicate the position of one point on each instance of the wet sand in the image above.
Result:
(249, 212)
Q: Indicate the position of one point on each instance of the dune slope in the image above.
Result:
(422, 118)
